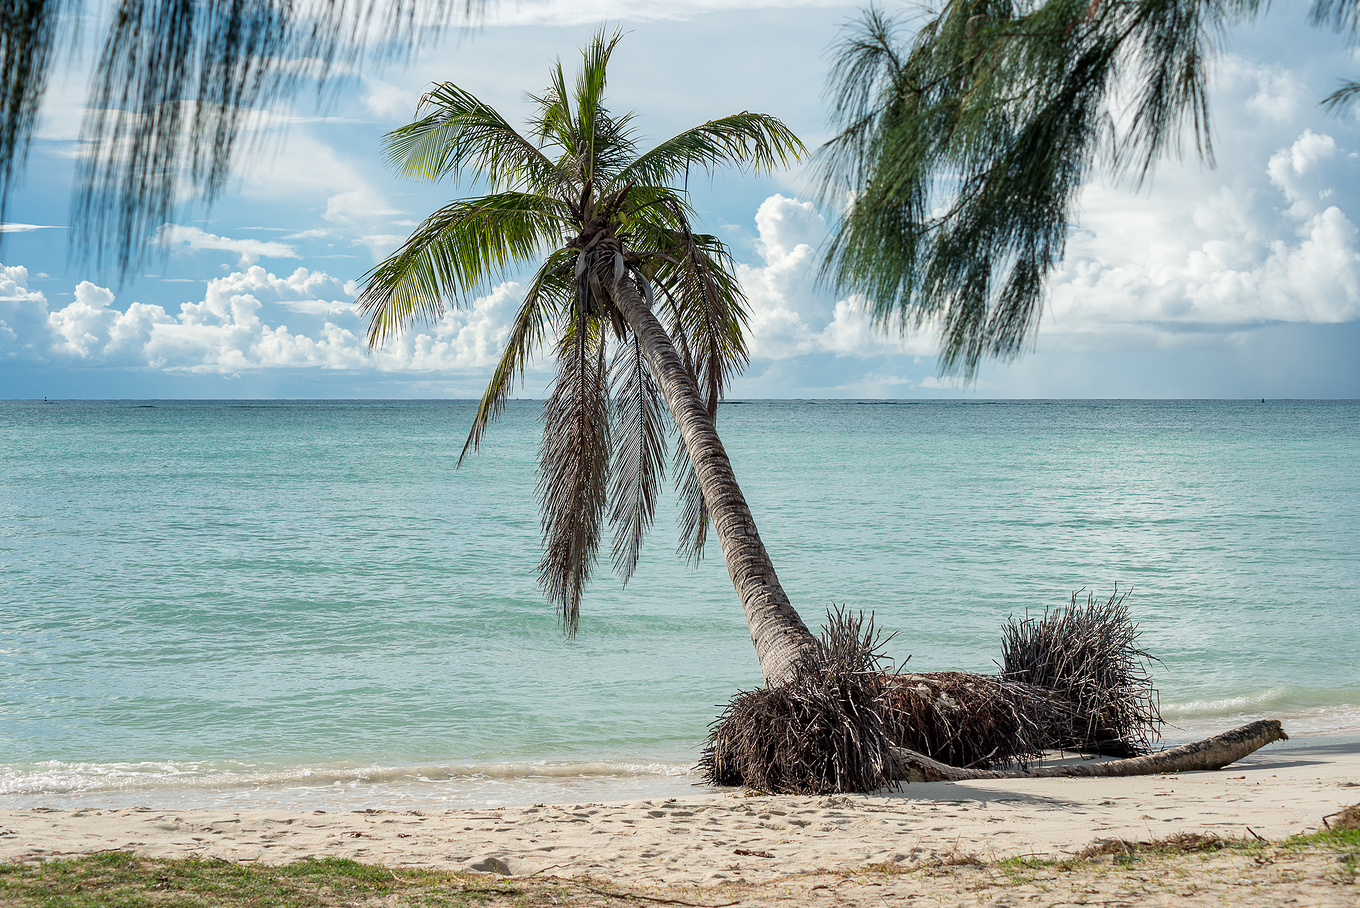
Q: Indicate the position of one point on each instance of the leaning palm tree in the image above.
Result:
(643, 314)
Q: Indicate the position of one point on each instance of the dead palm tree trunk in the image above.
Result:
(1210, 753)
(777, 630)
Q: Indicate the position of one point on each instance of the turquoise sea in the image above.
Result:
(306, 604)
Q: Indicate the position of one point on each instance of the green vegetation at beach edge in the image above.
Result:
(125, 880)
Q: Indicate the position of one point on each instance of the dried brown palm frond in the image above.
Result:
(704, 310)
(831, 726)
(972, 720)
(1073, 679)
(574, 459)
(639, 458)
(1089, 655)
(821, 731)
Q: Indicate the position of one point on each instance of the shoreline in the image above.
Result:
(724, 837)
(230, 785)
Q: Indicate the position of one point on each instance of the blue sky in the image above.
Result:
(1240, 281)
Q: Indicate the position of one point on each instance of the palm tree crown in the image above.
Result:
(577, 198)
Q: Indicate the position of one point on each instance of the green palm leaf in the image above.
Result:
(548, 298)
(463, 134)
(554, 125)
(574, 468)
(760, 141)
(457, 252)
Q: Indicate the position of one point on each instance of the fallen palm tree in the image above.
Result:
(1210, 753)
(844, 720)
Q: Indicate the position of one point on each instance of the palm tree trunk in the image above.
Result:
(1211, 753)
(777, 631)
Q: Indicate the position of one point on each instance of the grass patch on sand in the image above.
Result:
(1184, 865)
(1340, 841)
(1343, 844)
(117, 879)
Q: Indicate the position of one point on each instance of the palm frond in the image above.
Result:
(462, 134)
(605, 142)
(709, 310)
(574, 468)
(694, 273)
(759, 141)
(694, 519)
(555, 125)
(638, 463)
(589, 96)
(456, 253)
(547, 298)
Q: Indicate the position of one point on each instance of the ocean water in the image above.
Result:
(306, 604)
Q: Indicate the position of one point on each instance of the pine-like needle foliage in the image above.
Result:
(962, 150)
(575, 196)
(176, 86)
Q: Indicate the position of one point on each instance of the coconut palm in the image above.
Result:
(641, 312)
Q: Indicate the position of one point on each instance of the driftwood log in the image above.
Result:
(1211, 753)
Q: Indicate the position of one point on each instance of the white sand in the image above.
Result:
(701, 839)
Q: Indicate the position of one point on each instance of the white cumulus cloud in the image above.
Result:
(229, 331)
(24, 332)
(1272, 249)
(791, 315)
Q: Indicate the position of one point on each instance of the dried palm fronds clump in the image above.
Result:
(971, 720)
(821, 731)
(1073, 679)
(1089, 655)
(1346, 818)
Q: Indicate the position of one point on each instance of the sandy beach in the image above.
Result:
(726, 838)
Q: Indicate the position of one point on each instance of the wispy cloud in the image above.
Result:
(177, 237)
(25, 228)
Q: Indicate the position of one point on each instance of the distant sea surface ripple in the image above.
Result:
(305, 604)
